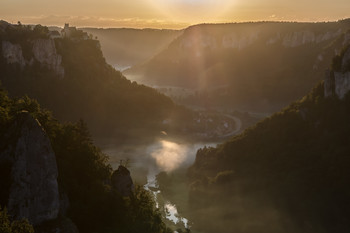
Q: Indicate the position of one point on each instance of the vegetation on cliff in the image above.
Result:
(90, 89)
(288, 173)
(125, 47)
(83, 175)
(253, 66)
(8, 226)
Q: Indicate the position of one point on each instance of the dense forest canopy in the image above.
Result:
(255, 66)
(288, 173)
(83, 175)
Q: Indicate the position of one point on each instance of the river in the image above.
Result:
(147, 160)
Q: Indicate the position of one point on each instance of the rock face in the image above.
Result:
(122, 182)
(299, 38)
(34, 190)
(13, 53)
(329, 84)
(241, 40)
(44, 52)
(342, 84)
(337, 83)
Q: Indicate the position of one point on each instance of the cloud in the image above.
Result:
(89, 21)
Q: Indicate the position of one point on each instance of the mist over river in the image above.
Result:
(146, 160)
(160, 155)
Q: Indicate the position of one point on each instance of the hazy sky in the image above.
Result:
(168, 13)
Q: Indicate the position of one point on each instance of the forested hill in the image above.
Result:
(288, 173)
(125, 47)
(257, 66)
(70, 76)
(54, 176)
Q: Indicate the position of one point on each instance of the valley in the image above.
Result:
(235, 127)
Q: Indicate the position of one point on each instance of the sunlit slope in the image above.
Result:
(255, 66)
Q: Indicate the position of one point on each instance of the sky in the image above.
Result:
(173, 14)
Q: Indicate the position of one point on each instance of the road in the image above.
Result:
(238, 124)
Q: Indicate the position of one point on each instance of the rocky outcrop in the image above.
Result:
(200, 41)
(298, 38)
(274, 39)
(34, 190)
(44, 52)
(337, 83)
(243, 40)
(13, 53)
(341, 84)
(122, 182)
(239, 41)
(346, 38)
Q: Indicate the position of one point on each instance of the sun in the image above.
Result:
(193, 10)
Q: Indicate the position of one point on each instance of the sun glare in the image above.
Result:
(193, 10)
(169, 155)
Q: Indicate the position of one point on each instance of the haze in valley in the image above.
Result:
(226, 115)
(175, 14)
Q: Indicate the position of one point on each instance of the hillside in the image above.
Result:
(288, 173)
(54, 176)
(126, 47)
(70, 76)
(259, 66)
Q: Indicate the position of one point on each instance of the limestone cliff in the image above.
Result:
(34, 191)
(240, 40)
(13, 53)
(337, 82)
(298, 38)
(43, 51)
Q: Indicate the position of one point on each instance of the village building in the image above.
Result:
(73, 33)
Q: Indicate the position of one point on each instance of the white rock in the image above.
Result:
(13, 53)
(239, 42)
(45, 53)
(342, 84)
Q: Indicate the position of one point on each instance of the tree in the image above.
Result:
(17, 226)
(40, 30)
